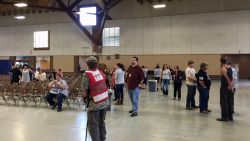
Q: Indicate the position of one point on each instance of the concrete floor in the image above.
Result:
(160, 119)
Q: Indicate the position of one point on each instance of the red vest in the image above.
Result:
(98, 87)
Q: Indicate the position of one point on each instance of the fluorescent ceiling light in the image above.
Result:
(159, 6)
(21, 4)
(20, 17)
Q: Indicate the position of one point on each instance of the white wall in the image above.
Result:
(65, 39)
(208, 33)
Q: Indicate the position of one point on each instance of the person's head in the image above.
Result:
(143, 67)
(203, 66)
(25, 66)
(135, 61)
(157, 66)
(176, 68)
(223, 61)
(91, 62)
(58, 76)
(165, 66)
(229, 64)
(191, 63)
(121, 66)
(59, 70)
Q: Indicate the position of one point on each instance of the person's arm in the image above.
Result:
(141, 77)
(62, 85)
(51, 84)
(201, 82)
(85, 85)
(224, 73)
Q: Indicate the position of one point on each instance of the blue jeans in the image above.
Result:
(165, 83)
(49, 97)
(134, 98)
(119, 91)
(204, 96)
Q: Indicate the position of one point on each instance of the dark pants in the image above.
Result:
(177, 89)
(226, 103)
(190, 96)
(204, 97)
(119, 91)
(115, 93)
(49, 97)
(233, 100)
(96, 124)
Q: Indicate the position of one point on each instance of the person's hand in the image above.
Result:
(140, 85)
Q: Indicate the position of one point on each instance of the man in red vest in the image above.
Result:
(96, 92)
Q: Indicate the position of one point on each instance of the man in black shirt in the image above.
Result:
(203, 86)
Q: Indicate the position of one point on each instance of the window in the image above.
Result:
(88, 16)
(111, 36)
(41, 40)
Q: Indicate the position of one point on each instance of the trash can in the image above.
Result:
(152, 84)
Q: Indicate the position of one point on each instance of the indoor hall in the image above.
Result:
(160, 119)
(43, 42)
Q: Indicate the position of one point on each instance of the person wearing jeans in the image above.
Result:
(119, 81)
(203, 86)
(134, 79)
(165, 78)
(59, 89)
(191, 86)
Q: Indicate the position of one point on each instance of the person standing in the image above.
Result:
(113, 82)
(157, 74)
(191, 86)
(26, 74)
(203, 86)
(119, 81)
(135, 79)
(16, 74)
(145, 71)
(234, 82)
(165, 78)
(177, 78)
(226, 92)
(95, 92)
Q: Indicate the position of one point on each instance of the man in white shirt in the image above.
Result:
(191, 86)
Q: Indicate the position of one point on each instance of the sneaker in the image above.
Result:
(134, 114)
(174, 99)
(208, 110)
(131, 111)
(204, 112)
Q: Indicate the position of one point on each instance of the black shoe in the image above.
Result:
(189, 108)
(204, 112)
(134, 114)
(195, 107)
(179, 99)
(221, 119)
(231, 119)
(59, 110)
(174, 99)
(54, 106)
(131, 111)
(114, 99)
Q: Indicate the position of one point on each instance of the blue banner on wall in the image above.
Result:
(5, 66)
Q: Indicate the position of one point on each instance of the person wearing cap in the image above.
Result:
(95, 91)
(191, 86)
(203, 86)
